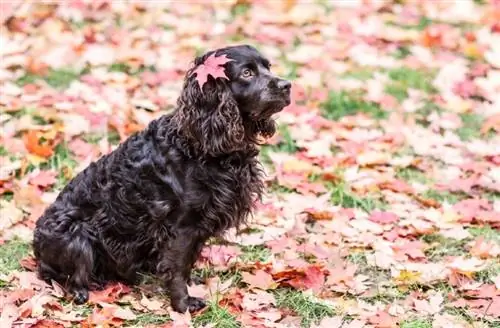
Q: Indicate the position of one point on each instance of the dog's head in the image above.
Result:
(223, 114)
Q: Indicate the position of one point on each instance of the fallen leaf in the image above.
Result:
(257, 300)
(310, 278)
(151, 304)
(110, 294)
(260, 279)
(34, 145)
(43, 178)
(432, 306)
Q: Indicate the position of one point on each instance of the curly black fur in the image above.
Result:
(151, 204)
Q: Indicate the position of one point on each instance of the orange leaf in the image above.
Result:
(427, 201)
(491, 123)
(318, 215)
(35, 146)
(28, 263)
(110, 294)
(260, 279)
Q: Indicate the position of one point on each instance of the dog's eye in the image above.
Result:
(247, 73)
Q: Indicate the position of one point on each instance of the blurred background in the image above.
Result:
(396, 109)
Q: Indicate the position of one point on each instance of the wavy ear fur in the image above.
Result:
(210, 119)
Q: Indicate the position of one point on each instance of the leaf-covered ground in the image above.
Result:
(383, 205)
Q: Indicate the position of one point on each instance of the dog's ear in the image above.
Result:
(209, 117)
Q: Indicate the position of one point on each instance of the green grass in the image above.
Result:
(413, 78)
(310, 310)
(441, 247)
(416, 323)
(216, 316)
(3, 151)
(471, 128)
(257, 253)
(357, 257)
(386, 295)
(286, 145)
(401, 52)
(359, 74)
(411, 174)
(127, 69)
(340, 195)
(427, 109)
(113, 137)
(240, 9)
(397, 90)
(144, 319)
(10, 254)
(422, 24)
(444, 196)
(206, 272)
(60, 161)
(489, 273)
(57, 78)
(93, 138)
(487, 232)
(404, 78)
(340, 104)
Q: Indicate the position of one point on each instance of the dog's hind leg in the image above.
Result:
(66, 256)
(81, 254)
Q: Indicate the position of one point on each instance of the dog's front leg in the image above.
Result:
(175, 269)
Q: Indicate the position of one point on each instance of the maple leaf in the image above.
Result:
(260, 279)
(43, 178)
(383, 217)
(211, 66)
(37, 147)
(108, 295)
(330, 322)
(432, 306)
(310, 278)
(109, 315)
(28, 263)
(257, 300)
(46, 323)
(151, 304)
(383, 319)
(219, 256)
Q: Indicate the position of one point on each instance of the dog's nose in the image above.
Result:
(284, 84)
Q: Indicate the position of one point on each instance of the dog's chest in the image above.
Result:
(230, 192)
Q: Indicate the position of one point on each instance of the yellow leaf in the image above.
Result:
(407, 277)
(35, 159)
(471, 49)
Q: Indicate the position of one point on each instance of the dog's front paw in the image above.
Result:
(195, 304)
(190, 303)
(195, 280)
(80, 296)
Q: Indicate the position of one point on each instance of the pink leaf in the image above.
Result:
(43, 178)
(383, 217)
(212, 66)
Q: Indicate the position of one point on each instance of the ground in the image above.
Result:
(382, 206)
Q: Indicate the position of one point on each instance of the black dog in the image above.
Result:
(151, 204)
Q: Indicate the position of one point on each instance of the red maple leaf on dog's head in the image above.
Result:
(211, 66)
